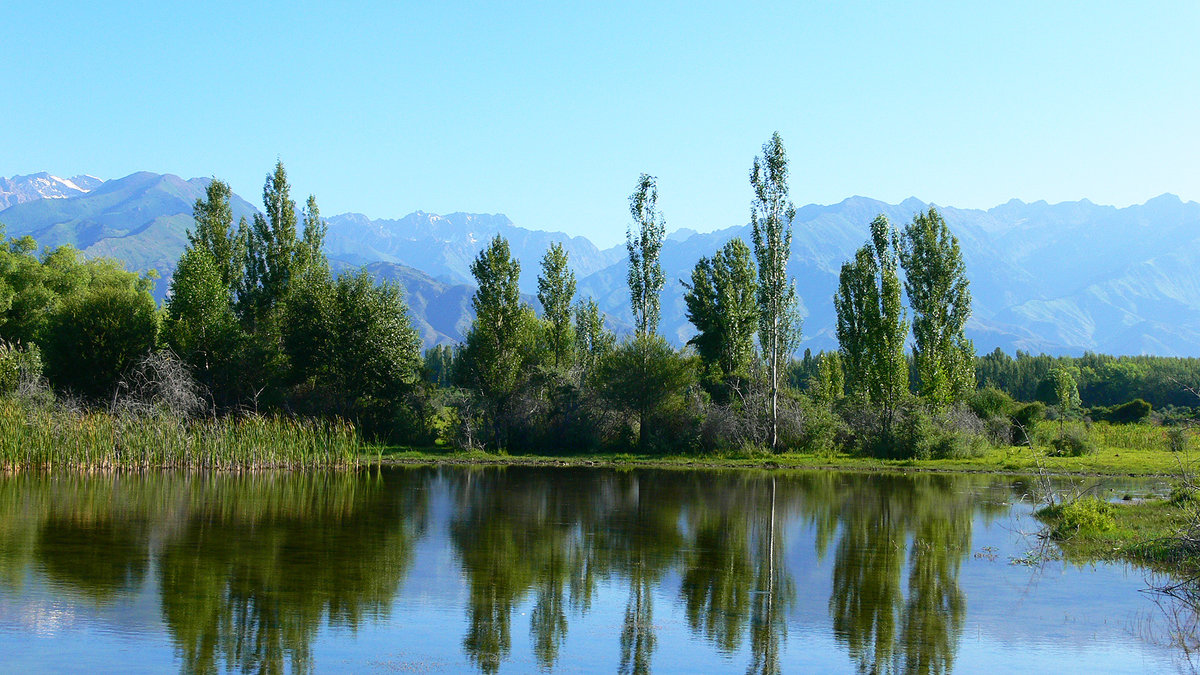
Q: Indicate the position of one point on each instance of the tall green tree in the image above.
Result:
(722, 305)
(214, 232)
(376, 352)
(645, 272)
(771, 215)
(271, 256)
(938, 292)
(592, 341)
(556, 292)
(501, 336)
(871, 321)
(647, 377)
(199, 324)
(311, 248)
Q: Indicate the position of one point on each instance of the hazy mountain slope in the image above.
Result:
(141, 219)
(444, 246)
(1044, 277)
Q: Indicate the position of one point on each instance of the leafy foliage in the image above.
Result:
(871, 323)
(647, 377)
(556, 292)
(937, 287)
(771, 215)
(645, 271)
(721, 304)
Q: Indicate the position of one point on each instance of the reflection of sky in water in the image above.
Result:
(1016, 618)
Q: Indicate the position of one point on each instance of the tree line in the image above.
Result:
(262, 323)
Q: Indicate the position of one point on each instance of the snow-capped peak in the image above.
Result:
(20, 189)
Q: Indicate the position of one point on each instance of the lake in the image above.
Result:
(525, 569)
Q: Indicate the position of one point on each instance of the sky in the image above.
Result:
(548, 112)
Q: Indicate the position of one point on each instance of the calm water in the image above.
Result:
(571, 570)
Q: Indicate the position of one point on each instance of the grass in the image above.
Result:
(1146, 533)
(46, 438)
(1121, 450)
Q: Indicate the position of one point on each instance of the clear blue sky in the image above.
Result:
(549, 111)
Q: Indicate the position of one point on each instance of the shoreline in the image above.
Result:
(1011, 466)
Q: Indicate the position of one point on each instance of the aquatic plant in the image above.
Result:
(49, 437)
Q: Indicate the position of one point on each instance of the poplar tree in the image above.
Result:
(871, 322)
(592, 342)
(938, 292)
(830, 382)
(311, 250)
(771, 217)
(721, 304)
(556, 291)
(214, 233)
(499, 340)
(645, 272)
(271, 254)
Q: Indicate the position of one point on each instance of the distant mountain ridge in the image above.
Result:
(21, 189)
(1060, 278)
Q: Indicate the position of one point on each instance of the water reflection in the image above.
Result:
(249, 568)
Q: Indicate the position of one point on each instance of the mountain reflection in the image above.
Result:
(249, 568)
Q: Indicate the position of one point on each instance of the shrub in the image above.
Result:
(990, 402)
(1071, 443)
(1082, 515)
(18, 365)
(1183, 495)
(1177, 438)
(1131, 412)
(820, 428)
(1025, 419)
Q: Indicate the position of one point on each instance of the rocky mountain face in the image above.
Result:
(1059, 278)
(21, 189)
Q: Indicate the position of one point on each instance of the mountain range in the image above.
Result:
(1055, 278)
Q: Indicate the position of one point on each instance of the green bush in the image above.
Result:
(820, 428)
(1177, 438)
(1130, 412)
(1082, 515)
(990, 402)
(1025, 419)
(922, 435)
(1071, 443)
(18, 364)
(1182, 495)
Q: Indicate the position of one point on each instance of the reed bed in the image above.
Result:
(47, 438)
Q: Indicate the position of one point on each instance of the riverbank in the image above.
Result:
(1105, 461)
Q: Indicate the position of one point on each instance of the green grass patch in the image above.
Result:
(1146, 533)
(1085, 516)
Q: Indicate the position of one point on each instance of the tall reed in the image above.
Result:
(46, 437)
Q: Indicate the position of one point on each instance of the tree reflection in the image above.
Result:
(253, 591)
(251, 567)
(883, 631)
